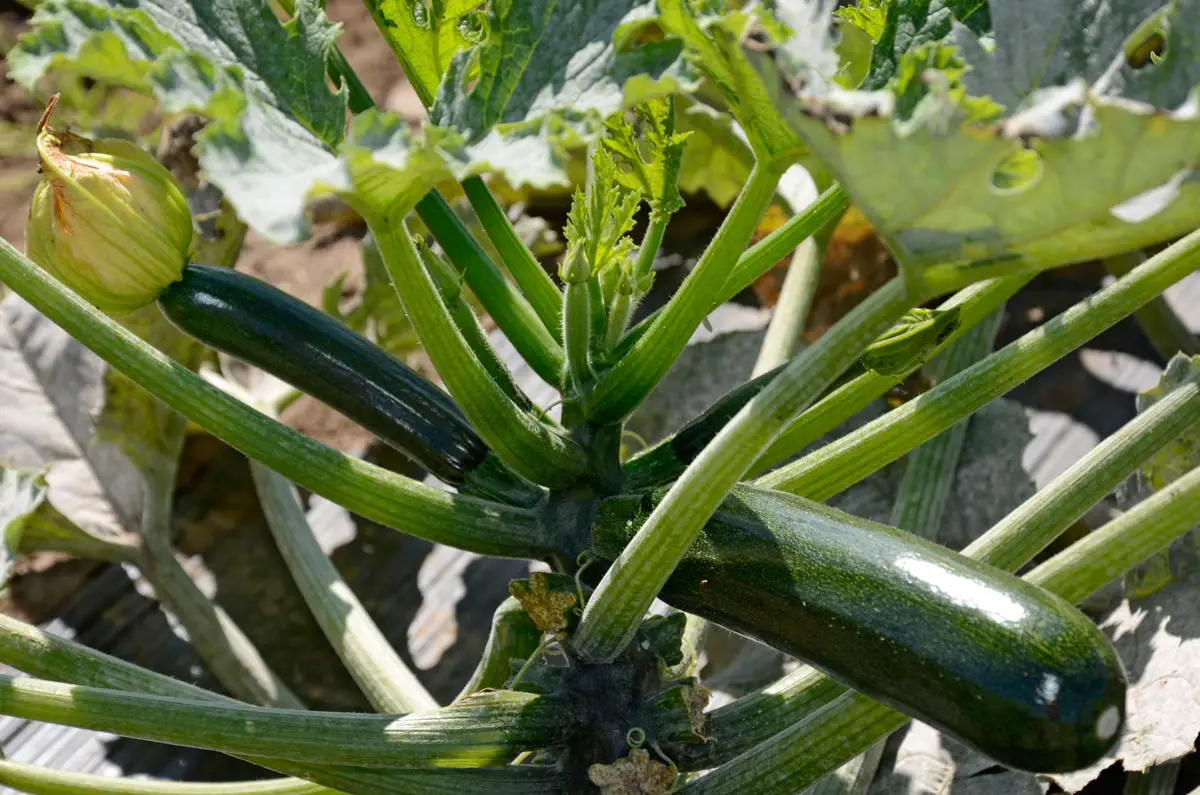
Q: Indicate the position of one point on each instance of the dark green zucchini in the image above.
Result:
(1006, 667)
(253, 321)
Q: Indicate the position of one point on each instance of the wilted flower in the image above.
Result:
(107, 220)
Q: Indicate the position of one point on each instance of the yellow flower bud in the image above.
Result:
(108, 220)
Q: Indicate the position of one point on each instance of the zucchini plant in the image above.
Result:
(975, 174)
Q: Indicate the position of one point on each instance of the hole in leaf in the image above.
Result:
(1017, 172)
(1147, 45)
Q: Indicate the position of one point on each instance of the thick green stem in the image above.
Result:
(535, 283)
(842, 403)
(637, 372)
(42, 781)
(624, 303)
(513, 636)
(41, 654)
(449, 286)
(488, 729)
(1165, 330)
(929, 470)
(785, 335)
(370, 491)
(512, 313)
(643, 567)
(848, 460)
(384, 679)
(1020, 536)
(1102, 556)
(527, 445)
(760, 257)
(577, 332)
(220, 642)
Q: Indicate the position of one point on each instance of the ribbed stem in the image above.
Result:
(848, 460)
(577, 332)
(759, 258)
(637, 372)
(1020, 536)
(762, 256)
(370, 491)
(488, 729)
(785, 335)
(42, 781)
(513, 637)
(1165, 330)
(512, 313)
(535, 283)
(528, 446)
(1126, 541)
(633, 581)
(384, 679)
(41, 654)
(219, 641)
(842, 403)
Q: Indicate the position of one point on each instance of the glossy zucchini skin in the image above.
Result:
(259, 324)
(1006, 667)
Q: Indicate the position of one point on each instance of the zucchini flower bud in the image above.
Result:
(107, 220)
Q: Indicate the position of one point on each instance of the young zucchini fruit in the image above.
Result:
(1004, 666)
(259, 324)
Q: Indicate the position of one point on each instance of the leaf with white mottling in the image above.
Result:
(542, 57)
(1073, 40)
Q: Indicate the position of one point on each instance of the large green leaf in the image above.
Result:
(260, 81)
(554, 57)
(1075, 175)
(713, 43)
(1089, 41)
(910, 24)
(426, 34)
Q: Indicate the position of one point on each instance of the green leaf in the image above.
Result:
(959, 202)
(1089, 41)
(426, 34)
(283, 63)
(259, 81)
(600, 220)
(715, 160)
(713, 45)
(652, 155)
(910, 24)
(544, 57)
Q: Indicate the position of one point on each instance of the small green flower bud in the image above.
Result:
(107, 220)
(574, 268)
